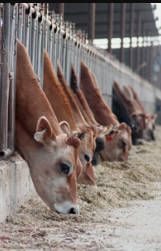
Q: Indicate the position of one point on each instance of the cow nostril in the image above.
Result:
(73, 211)
(87, 157)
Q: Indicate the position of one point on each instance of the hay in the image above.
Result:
(117, 184)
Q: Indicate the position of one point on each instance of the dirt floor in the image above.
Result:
(123, 213)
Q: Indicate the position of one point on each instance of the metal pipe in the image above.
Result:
(11, 113)
(110, 33)
(131, 33)
(151, 58)
(138, 34)
(142, 54)
(91, 26)
(4, 84)
(12, 80)
(123, 17)
(146, 58)
(33, 41)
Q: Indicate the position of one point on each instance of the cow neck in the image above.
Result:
(26, 145)
(82, 103)
(129, 93)
(100, 109)
(128, 104)
(56, 94)
(135, 96)
(75, 108)
(31, 101)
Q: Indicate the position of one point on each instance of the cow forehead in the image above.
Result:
(123, 134)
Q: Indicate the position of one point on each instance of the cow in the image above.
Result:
(61, 105)
(77, 107)
(99, 130)
(51, 154)
(148, 133)
(128, 112)
(118, 139)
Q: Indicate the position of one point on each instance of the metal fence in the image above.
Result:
(31, 24)
(7, 85)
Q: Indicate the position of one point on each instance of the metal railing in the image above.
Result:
(37, 30)
(7, 85)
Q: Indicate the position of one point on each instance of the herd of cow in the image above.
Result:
(63, 130)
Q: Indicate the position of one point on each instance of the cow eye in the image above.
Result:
(64, 168)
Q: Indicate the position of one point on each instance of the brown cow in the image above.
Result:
(99, 130)
(75, 104)
(118, 141)
(149, 118)
(128, 112)
(52, 156)
(62, 108)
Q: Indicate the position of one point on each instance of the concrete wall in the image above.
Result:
(15, 185)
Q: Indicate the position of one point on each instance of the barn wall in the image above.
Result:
(123, 75)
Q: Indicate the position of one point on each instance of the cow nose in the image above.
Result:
(73, 210)
(87, 157)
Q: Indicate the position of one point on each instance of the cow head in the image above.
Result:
(85, 135)
(150, 127)
(117, 143)
(101, 131)
(137, 123)
(87, 147)
(55, 167)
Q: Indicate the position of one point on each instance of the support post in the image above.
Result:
(131, 34)
(4, 84)
(91, 27)
(123, 19)
(61, 9)
(110, 33)
(138, 34)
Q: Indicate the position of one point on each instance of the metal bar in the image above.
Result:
(20, 22)
(110, 33)
(12, 80)
(131, 33)
(33, 40)
(142, 54)
(138, 34)
(151, 60)
(91, 26)
(146, 58)
(123, 18)
(4, 85)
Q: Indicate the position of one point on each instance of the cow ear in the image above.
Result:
(65, 127)
(122, 126)
(44, 132)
